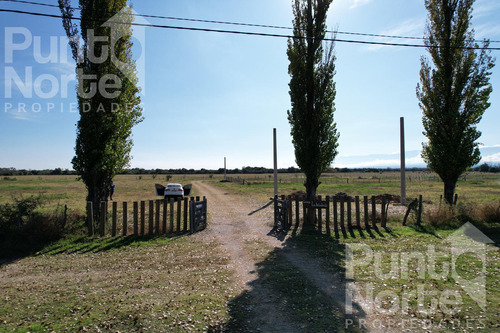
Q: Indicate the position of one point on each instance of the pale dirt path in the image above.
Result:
(232, 227)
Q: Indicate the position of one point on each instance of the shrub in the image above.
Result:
(446, 216)
(13, 216)
(489, 213)
(24, 229)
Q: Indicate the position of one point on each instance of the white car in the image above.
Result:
(173, 191)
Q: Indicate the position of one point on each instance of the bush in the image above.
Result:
(446, 216)
(24, 229)
(13, 216)
(489, 213)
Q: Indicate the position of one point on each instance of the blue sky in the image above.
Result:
(209, 95)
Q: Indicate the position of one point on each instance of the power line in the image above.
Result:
(241, 24)
(262, 34)
(253, 25)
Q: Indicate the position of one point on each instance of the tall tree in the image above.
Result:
(454, 93)
(312, 92)
(107, 92)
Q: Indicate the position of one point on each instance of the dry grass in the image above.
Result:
(455, 216)
(160, 286)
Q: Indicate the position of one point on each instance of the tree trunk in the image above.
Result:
(310, 216)
(449, 191)
(95, 209)
(95, 195)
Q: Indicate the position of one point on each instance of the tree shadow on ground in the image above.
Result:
(16, 246)
(10, 252)
(295, 292)
(84, 245)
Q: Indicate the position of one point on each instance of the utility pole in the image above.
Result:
(275, 153)
(224, 169)
(402, 153)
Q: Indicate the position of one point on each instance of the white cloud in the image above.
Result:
(359, 3)
(489, 31)
(411, 27)
(485, 8)
(22, 115)
(64, 68)
(495, 158)
(384, 163)
(492, 146)
(415, 160)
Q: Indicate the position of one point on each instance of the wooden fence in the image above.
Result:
(152, 217)
(341, 213)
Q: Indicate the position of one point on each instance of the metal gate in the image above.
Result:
(281, 214)
(198, 215)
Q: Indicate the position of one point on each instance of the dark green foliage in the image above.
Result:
(453, 93)
(107, 115)
(25, 228)
(312, 92)
(14, 215)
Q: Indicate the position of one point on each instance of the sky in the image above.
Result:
(209, 95)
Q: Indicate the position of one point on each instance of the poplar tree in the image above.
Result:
(454, 92)
(107, 92)
(312, 92)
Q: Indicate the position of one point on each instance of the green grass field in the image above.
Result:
(473, 188)
(177, 284)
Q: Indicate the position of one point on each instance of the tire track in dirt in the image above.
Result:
(232, 226)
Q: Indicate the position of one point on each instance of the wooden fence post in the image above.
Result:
(136, 218)
(349, 214)
(374, 212)
(327, 220)
(179, 210)
(164, 217)
(342, 215)
(171, 206)
(114, 217)
(303, 212)
(320, 213)
(104, 213)
(90, 218)
(185, 214)
(383, 217)
(143, 217)
(297, 212)
(125, 216)
(367, 214)
(335, 216)
(191, 215)
(151, 217)
(358, 215)
(419, 216)
(157, 217)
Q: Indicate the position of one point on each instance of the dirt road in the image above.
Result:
(232, 227)
(235, 222)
